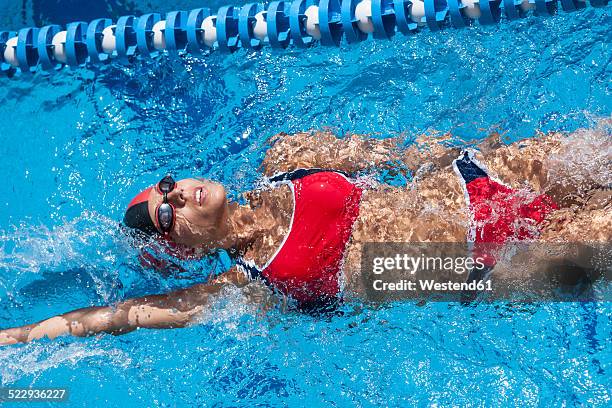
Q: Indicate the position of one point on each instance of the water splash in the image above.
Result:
(584, 160)
(85, 241)
(33, 360)
(239, 312)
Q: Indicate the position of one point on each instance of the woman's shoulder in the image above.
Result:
(273, 208)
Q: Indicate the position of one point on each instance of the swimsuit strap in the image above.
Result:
(323, 306)
(469, 170)
(249, 268)
(300, 173)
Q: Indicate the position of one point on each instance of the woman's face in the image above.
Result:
(201, 212)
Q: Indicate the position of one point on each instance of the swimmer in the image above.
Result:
(302, 233)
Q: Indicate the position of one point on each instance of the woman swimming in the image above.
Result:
(302, 233)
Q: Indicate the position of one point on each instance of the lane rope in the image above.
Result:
(279, 24)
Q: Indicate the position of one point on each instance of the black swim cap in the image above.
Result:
(137, 214)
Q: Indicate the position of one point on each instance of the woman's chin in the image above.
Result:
(216, 196)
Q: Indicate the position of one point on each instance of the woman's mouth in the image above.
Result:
(199, 195)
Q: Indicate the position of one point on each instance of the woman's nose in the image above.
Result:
(177, 197)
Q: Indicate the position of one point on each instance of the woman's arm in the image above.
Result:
(171, 310)
(324, 150)
(354, 153)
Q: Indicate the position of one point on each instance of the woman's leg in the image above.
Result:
(589, 222)
(171, 310)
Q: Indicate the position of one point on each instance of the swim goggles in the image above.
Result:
(164, 212)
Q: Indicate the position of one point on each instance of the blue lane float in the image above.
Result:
(94, 37)
(279, 24)
(385, 19)
(145, 34)
(27, 55)
(195, 40)
(125, 39)
(44, 47)
(226, 29)
(252, 27)
(76, 44)
(175, 32)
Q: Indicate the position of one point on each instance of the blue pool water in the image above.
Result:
(76, 146)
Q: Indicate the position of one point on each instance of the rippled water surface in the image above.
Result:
(77, 145)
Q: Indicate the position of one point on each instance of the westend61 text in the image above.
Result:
(431, 285)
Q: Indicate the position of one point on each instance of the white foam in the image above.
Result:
(584, 159)
(34, 359)
(90, 242)
(234, 307)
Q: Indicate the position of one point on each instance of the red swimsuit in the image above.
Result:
(308, 263)
(499, 213)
